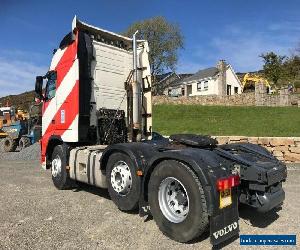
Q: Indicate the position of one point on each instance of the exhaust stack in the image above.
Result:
(136, 93)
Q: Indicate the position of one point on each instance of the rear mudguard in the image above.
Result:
(207, 165)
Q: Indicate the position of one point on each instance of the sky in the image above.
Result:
(235, 30)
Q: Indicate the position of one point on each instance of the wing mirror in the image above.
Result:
(39, 87)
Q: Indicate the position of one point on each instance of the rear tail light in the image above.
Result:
(226, 183)
(236, 180)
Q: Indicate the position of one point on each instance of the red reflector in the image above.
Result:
(232, 181)
(227, 183)
(236, 180)
(219, 184)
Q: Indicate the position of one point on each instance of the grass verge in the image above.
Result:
(225, 120)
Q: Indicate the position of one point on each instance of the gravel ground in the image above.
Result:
(30, 153)
(34, 215)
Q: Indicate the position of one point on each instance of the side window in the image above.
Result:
(51, 85)
(206, 85)
(198, 86)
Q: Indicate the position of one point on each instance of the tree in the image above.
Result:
(273, 66)
(291, 71)
(291, 68)
(164, 38)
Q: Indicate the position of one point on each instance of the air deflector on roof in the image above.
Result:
(103, 35)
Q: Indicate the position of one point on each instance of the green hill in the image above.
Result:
(23, 100)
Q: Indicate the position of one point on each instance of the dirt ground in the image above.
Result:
(34, 215)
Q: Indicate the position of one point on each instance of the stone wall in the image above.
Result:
(245, 99)
(284, 148)
(257, 98)
(262, 98)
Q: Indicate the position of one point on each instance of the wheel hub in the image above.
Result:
(56, 166)
(120, 178)
(173, 200)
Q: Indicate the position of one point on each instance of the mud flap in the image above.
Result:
(225, 224)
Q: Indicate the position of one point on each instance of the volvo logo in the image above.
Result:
(225, 230)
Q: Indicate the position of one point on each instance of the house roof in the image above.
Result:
(184, 75)
(179, 80)
(163, 77)
(201, 74)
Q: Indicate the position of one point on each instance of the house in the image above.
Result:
(161, 82)
(168, 89)
(219, 80)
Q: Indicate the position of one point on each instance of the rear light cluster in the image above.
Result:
(227, 183)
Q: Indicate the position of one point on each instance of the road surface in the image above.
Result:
(35, 215)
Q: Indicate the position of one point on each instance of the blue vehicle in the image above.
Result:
(22, 133)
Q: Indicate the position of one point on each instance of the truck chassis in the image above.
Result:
(97, 129)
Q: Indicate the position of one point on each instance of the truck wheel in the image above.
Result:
(60, 175)
(10, 145)
(177, 201)
(122, 181)
(24, 143)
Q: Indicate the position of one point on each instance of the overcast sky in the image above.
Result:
(235, 30)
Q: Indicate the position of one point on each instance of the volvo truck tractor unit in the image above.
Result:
(97, 129)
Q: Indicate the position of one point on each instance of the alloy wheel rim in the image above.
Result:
(120, 178)
(173, 200)
(56, 166)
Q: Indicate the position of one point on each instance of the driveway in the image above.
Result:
(34, 215)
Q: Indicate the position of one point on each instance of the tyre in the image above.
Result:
(60, 175)
(177, 201)
(122, 181)
(10, 145)
(24, 143)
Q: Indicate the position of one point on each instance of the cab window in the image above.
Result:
(51, 85)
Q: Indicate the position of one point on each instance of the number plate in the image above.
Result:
(225, 198)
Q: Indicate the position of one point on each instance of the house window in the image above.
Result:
(198, 86)
(206, 85)
(236, 90)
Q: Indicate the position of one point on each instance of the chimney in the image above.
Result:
(221, 65)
